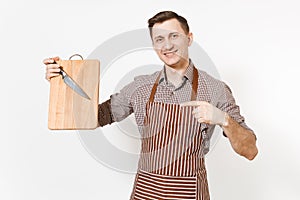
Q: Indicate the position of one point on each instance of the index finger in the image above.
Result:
(192, 103)
(189, 103)
(47, 61)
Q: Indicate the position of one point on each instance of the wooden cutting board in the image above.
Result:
(67, 109)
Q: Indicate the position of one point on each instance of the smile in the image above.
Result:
(170, 53)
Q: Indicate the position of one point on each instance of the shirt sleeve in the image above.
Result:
(121, 103)
(227, 104)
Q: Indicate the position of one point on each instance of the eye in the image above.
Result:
(158, 40)
(174, 35)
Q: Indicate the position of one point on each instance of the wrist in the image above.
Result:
(225, 122)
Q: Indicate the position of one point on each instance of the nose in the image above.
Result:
(168, 45)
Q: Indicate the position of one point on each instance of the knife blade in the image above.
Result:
(72, 84)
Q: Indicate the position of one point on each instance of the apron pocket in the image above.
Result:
(155, 186)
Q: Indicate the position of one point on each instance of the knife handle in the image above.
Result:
(62, 72)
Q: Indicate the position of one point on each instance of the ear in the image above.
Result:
(190, 38)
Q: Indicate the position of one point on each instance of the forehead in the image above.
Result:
(169, 26)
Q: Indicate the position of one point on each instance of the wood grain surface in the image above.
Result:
(67, 109)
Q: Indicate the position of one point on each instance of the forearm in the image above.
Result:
(242, 140)
(104, 113)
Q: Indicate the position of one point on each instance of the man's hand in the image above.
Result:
(52, 69)
(207, 113)
(243, 141)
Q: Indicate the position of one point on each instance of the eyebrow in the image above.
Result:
(160, 36)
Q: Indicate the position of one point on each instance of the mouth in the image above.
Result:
(170, 53)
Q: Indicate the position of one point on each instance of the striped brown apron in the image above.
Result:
(171, 164)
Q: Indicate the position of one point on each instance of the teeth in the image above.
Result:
(170, 53)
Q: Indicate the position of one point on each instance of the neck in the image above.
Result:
(180, 67)
(174, 75)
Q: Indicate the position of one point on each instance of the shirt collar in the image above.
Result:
(188, 73)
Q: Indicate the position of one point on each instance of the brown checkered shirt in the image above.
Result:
(134, 96)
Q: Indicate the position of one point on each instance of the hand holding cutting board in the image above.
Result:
(74, 86)
(52, 68)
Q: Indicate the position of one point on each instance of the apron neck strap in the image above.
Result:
(153, 91)
(194, 86)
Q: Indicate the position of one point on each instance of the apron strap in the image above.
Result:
(194, 87)
(195, 84)
(154, 88)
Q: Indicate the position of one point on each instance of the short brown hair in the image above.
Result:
(166, 15)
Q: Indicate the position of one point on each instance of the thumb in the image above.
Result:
(56, 58)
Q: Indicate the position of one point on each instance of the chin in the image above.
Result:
(175, 63)
(172, 62)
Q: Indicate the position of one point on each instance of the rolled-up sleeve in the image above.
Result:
(121, 103)
(227, 104)
(132, 98)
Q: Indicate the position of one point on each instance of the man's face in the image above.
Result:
(171, 43)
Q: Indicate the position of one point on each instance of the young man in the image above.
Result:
(176, 110)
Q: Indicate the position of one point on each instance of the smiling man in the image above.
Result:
(176, 110)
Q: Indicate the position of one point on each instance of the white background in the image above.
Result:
(255, 46)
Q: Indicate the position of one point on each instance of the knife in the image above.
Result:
(72, 84)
